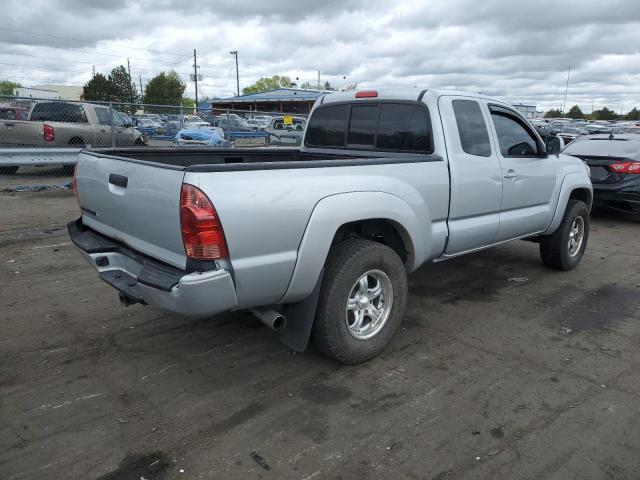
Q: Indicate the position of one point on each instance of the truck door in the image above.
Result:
(102, 127)
(124, 131)
(528, 176)
(476, 178)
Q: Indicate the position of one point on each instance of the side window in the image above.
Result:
(404, 128)
(472, 128)
(363, 125)
(514, 139)
(102, 113)
(328, 126)
(118, 120)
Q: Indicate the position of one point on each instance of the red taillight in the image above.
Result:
(202, 233)
(49, 133)
(625, 167)
(367, 94)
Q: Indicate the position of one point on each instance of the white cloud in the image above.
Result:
(515, 49)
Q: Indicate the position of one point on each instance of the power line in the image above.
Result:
(95, 52)
(84, 41)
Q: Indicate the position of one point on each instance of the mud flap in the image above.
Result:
(300, 318)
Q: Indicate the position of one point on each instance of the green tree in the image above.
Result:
(604, 114)
(575, 112)
(123, 89)
(6, 87)
(166, 88)
(553, 113)
(263, 84)
(633, 114)
(98, 89)
(327, 86)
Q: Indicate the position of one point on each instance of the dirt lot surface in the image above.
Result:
(503, 369)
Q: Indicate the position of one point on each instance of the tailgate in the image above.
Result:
(21, 133)
(137, 203)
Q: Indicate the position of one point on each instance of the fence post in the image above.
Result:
(113, 129)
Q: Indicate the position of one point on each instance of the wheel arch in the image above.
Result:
(378, 216)
(574, 186)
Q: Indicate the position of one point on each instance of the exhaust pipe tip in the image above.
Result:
(272, 319)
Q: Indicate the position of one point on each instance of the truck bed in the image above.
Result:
(216, 159)
(214, 156)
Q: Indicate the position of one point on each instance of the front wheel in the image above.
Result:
(565, 248)
(362, 301)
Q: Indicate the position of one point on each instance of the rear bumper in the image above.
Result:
(625, 198)
(141, 279)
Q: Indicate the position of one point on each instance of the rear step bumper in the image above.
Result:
(140, 279)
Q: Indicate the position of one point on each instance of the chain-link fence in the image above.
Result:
(41, 137)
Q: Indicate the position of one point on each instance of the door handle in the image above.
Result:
(511, 173)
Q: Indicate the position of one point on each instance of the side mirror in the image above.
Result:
(554, 145)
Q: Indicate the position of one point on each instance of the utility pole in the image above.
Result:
(93, 68)
(566, 88)
(318, 80)
(195, 76)
(141, 92)
(131, 87)
(235, 52)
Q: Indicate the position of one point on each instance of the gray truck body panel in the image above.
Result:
(280, 218)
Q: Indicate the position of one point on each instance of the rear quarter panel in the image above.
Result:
(265, 213)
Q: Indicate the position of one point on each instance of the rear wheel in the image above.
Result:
(564, 249)
(362, 301)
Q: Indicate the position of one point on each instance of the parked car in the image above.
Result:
(595, 128)
(615, 169)
(57, 124)
(322, 237)
(149, 126)
(256, 124)
(632, 129)
(194, 121)
(229, 124)
(281, 133)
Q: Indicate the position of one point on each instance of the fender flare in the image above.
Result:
(331, 212)
(571, 182)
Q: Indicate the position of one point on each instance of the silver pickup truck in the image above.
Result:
(318, 241)
(60, 124)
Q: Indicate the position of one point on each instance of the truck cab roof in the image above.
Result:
(411, 94)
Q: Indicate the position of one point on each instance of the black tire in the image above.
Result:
(67, 170)
(555, 250)
(8, 170)
(347, 262)
(139, 142)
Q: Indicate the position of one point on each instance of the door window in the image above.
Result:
(514, 139)
(102, 113)
(472, 128)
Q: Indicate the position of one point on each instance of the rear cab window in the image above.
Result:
(392, 126)
(472, 129)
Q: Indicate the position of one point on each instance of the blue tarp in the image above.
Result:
(202, 136)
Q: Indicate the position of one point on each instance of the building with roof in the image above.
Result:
(289, 100)
(528, 111)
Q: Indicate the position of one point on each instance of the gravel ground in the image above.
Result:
(502, 369)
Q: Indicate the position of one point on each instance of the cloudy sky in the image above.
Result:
(518, 50)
